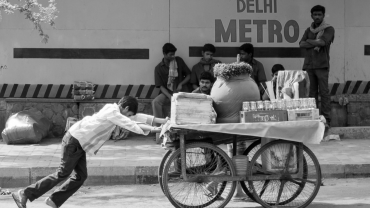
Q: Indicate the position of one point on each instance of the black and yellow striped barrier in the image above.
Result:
(65, 91)
(140, 91)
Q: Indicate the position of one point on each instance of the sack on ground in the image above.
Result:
(26, 127)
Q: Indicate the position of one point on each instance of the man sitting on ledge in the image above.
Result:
(171, 75)
(205, 83)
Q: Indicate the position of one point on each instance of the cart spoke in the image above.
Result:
(296, 182)
(307, 181)
(264, 187)
(203, 160)
(280, 159)
(280, 192)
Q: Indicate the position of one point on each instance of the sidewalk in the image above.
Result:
(136, 160)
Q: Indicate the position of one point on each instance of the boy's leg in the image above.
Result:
(71, 153)
(72, 184)
(158, 104)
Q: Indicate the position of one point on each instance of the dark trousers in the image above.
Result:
(319, 83)
(158, 104)
(73, 158)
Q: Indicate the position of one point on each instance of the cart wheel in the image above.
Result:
(289, 190)
(158, 140)
(250, 152)
(201, 159)
(161, 166)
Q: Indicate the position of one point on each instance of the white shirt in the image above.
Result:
(93, 131)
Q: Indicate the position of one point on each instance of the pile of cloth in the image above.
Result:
(83, 90)
(293, 84)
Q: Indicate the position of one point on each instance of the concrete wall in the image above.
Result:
(145, 24)
(357, 34)
(88, 24)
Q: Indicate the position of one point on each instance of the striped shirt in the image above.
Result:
(93, 131)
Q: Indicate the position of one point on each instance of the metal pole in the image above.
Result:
(183, 156)
(234, 145)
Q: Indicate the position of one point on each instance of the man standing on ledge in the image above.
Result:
(258, 75)
(317, 40)
(171, 76)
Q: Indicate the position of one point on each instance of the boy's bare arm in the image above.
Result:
(161, 120)
(146, 127)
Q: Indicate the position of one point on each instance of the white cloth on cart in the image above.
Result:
(308, 132)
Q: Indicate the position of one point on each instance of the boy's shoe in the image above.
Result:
(20, 199)
(50, 203)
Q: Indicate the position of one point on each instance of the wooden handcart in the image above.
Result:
(281, 173)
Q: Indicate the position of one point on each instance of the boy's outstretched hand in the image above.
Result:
(156, 130)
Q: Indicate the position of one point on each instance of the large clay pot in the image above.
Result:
(229, 95)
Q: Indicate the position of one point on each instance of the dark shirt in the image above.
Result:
(318, 59)
(161, 75)
(258, 75)
(196, 71)
(201, 92)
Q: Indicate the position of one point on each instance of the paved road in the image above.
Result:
(344, 193)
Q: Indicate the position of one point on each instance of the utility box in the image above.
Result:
(303, 114)
(263, 116)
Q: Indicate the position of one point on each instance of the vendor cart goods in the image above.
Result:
(281, 173)
(192, 108)
(83, 90)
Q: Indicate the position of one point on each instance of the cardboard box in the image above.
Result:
(301, 115)
(263, 116)
(190, 108)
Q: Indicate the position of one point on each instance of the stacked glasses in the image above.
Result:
(302, 103)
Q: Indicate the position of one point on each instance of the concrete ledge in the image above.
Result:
(357, 170)
(21, 177)
(146, 175)
(38, 173)
(332, 171)
(361, 132)
(40, 100)
(110, 175)
(14, 177)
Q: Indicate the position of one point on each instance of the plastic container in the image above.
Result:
(241, 164)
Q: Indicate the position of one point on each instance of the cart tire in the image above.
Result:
(158, 139)
(294, 192)
(161, 166)
(201, 158)
(250, 152)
